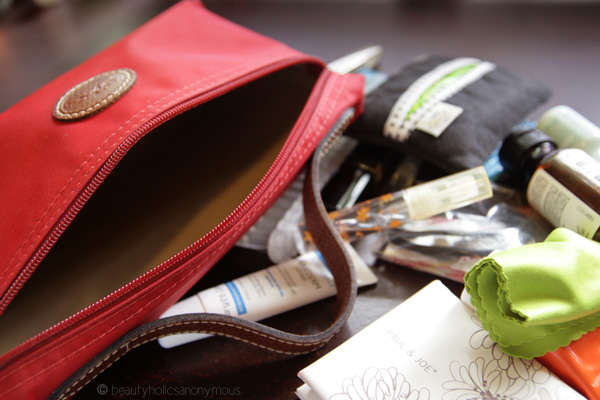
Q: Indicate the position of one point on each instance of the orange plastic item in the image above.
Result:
(578, 364)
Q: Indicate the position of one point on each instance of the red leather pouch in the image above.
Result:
(125, 179)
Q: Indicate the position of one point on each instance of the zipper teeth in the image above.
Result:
(79, 202)
(204, 241)
(337, 131)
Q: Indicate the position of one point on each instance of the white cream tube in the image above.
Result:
(267, 292)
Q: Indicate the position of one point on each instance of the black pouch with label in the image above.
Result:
(452, 112)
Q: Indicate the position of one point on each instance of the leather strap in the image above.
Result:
(330, 245)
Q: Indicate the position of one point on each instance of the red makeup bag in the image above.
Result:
(125, 179)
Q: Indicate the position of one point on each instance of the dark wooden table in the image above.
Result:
(558, 44)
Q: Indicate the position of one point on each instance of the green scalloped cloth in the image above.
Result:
(538, 297)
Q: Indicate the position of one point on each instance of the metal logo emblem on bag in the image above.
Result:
(94, 95)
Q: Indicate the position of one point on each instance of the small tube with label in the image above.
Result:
(417, 202)
(265, 293)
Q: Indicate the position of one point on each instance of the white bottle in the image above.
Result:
(569, 129)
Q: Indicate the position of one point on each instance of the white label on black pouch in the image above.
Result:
(438, 118)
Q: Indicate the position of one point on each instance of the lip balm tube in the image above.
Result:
(265, 293)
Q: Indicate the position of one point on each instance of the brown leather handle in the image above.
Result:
(331, 247)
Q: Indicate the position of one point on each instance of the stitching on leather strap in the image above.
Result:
(103, 364)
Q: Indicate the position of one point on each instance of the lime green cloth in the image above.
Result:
(538, 297)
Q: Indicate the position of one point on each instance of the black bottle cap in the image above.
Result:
(523, 150)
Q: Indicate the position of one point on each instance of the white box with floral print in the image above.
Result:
(431, 346)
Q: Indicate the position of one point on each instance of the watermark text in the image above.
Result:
(150, 391)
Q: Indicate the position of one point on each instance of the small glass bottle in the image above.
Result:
(563, 185)
(569, 129)
(391, 210)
